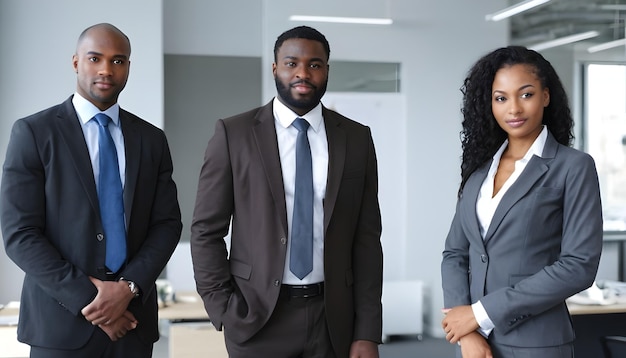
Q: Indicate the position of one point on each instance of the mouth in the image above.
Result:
(516, 122)
(103, 85)
(303, 87)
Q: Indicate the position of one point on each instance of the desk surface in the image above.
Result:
(191, 340)
(576, 309)
(8, 337)
(188, 306)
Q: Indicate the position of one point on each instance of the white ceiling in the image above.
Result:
(559, 18)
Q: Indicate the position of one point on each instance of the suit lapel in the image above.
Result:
(336, 137)
(535, 169)
(132, 150)
(71, 131)
(470, 196)
(267, 144)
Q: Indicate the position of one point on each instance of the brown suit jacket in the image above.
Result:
(241, 179)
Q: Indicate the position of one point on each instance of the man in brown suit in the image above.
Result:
(267, 307)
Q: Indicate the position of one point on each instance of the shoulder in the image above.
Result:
(572, 156)
(139, 123)
(43, 117)
(334, 116)
(250, 117)
(349, 126)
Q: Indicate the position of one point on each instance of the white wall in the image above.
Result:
(434, 57)
(37, 41)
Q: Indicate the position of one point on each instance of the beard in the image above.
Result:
(305, 104)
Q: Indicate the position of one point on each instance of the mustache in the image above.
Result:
(299, 82)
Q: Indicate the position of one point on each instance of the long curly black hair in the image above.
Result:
(481, 135)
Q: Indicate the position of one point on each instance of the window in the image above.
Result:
(605, 137)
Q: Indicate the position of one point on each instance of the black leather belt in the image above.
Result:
(303, 291)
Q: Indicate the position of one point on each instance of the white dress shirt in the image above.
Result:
(487, 204)
(86, 110)
(286, 135)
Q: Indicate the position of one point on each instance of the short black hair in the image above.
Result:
(302, 32)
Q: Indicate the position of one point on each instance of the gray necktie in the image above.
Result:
(301, 255)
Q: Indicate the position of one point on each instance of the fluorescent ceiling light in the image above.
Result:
(564, 40)
(607, 45)
(514, 10)
(342, 20)
(612, 7)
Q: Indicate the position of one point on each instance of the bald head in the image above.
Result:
(102, 28)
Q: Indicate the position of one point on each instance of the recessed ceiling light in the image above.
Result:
(342, 20)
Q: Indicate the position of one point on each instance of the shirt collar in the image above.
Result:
(535, 149)
(86, 110)
(286, 116)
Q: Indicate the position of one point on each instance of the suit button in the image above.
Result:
(100, 237)
(283, 240)
(276, 283)
(483, 258)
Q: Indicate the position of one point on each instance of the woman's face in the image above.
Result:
(518, 100)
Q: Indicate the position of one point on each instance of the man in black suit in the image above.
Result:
(73, 304)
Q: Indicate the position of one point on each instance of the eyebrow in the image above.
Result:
(314, 59)
(99, 54)
(519, 89)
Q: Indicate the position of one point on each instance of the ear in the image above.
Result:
(546, 97)
(75, 63)
(274, 68)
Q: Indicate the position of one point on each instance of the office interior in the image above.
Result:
(195, 61)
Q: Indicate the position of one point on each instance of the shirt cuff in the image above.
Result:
(485, 323)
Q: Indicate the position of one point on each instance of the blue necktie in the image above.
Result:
(110, 197)
(301, 254)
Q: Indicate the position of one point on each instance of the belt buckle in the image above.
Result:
(317, 292)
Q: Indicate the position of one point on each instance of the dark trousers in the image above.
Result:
(100, 346)
(296, 329)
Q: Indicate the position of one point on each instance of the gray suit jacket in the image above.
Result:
(242, 179)
(543, 245)
(52, 230)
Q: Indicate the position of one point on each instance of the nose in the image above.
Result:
(302, 71)
(514, 106)
(105, 69)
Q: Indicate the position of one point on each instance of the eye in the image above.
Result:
(527, 95)
(118, 62)
(93, 59)
(499, 99)
(290, 64)
(315, 65)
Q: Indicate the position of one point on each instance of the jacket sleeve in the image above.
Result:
(211, 220)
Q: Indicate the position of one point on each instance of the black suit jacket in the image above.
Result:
(52, 230)
(242, 179)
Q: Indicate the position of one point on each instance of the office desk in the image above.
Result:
(576, 309)
(186, 340)
(188, 307)
(190, 332)
(8, 337)
(592, 322)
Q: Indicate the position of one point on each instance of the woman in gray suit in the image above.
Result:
(527, 232)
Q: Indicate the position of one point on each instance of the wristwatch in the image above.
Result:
(132, 286)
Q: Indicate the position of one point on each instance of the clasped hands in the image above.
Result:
(460, 326)
(108, 310)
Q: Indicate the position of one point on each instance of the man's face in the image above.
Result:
(301, 74)
(102, 65)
